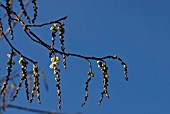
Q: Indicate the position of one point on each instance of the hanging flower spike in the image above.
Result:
(10, 62)
(55, 61)
(36, 84)
(54, 30)
(23, 64)
(61, 35)
(90, 74)
(104, 69)
(35, 10)
(24, 75)
(8, 7)
(124, 65)
(24, 11)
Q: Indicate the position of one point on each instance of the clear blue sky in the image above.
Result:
(135, 30)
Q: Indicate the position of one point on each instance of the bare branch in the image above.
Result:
(32, 110)
(59, 28)
(15, 22)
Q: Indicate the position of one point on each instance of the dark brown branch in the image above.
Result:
(69, 54)
(81, 56)
(48, 46)
(52, 22)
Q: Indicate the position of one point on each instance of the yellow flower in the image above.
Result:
(98, 61)
(92, 74)
(58, 91)
(56, 71)
(52, 28)
(52, 59)
(57, 58)
(9, 55)
(9, 62)
(106, 76)
(52, 66)
(55, 25)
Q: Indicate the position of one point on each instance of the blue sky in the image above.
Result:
(135, 30)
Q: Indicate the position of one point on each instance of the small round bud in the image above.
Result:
(9, 55)
(92, 74)
(53, 39)
(55, 25)
(57, 58)
(98, 61)
(124, 66)
(52, 28)
(106, 76)
(9, 62)
(58, 91)
(115, 56)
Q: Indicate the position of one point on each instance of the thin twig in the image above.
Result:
(35, 110)
(17, 50)
(51, 22)
(30, 109)
(14, 22)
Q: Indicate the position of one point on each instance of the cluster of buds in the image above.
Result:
(54, 30)
(8, 7)
(55, 62)
(104, 69)
(61, 35)
(24, 11)
(61, 30)
(23, 64)
(35, 10)
(10, 62)
(36, 84)
(124, 66)
(90, 75)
